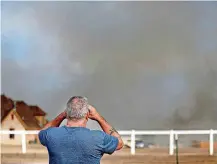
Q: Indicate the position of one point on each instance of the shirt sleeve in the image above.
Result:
(43, 136)
(110, 144)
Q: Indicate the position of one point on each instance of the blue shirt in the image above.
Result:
(76, 145)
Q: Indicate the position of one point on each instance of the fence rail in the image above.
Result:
(133, 133)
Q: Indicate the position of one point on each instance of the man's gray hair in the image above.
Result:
(77, 107)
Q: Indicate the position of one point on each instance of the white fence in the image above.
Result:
(133, 133)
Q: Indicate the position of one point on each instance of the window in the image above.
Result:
(12, 116)
(11, 136)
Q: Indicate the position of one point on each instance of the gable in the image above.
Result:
(14, 123)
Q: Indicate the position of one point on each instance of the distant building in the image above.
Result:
(17, 115)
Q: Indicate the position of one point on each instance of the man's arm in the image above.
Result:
(56, 122)
(107, 128)
(44, 133)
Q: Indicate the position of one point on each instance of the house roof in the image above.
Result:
(28, 125)
(25, 112)
(37, 111)
(6, 105)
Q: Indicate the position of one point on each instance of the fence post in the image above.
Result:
(211, 144)
(132, 142)
(23, 142)
(177, 149)
(171, 149)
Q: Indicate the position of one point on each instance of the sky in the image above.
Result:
(143, 65)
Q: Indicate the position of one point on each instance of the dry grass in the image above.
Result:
(37, 154)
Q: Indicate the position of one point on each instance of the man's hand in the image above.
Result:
(93, 114)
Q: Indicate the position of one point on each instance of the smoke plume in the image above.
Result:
(144, 65)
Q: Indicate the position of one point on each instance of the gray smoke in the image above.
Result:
(203, 112)
(144, 65)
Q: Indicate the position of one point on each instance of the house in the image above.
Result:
(17, 115)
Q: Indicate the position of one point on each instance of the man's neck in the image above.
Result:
(76, 123)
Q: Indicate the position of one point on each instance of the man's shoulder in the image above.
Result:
(52, 130)
(98, 133)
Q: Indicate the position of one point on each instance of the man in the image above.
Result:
(74, 143)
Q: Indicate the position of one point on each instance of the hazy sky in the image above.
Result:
(139, 63)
